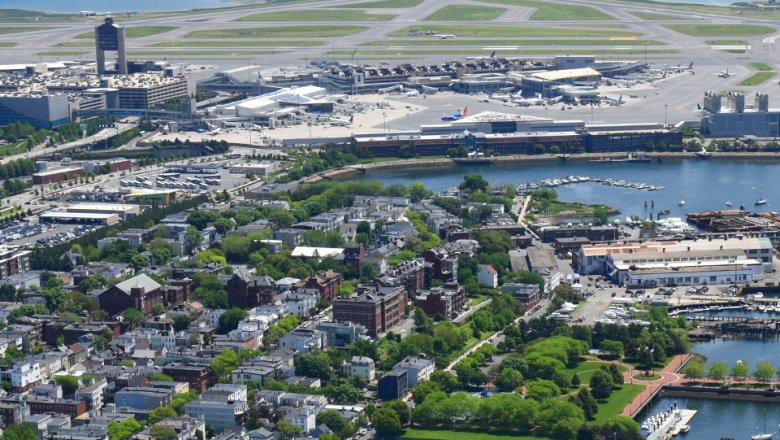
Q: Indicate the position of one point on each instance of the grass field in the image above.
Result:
(445, 433)
(24, 15)
(279, 32)
(720, 30)
(482, 43)
(477, 299)
(55, 53)
(465, 13)
(134, 32)
(13, 148)
(600, 26)
(318, 15)
(8, 44)
(181, 53)
(616, 402)
(556, 11)
(586, 369)
(463, 31)
(757, 79)
(383, 4)
(724, 93)
(726, 42)
(651, 16)
(239, 43)
(735, 50)
(76, 44)
(503, 52)
(761, 67)
(20, 29)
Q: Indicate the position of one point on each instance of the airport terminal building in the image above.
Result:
(729, 117)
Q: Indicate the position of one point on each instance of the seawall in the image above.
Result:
(721, 393)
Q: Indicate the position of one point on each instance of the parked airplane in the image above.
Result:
(474, 58)
(429, 90)
(411, 93)
(454, 116)
(724, 73)
(528, 102)
(500, 97)
(341, 122)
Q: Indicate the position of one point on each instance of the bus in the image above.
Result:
(233, 156)
(170, 175)
(193, 180)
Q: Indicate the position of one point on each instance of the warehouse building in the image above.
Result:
(79, 217)
(58, 175)
(724, 261)
(124, 212)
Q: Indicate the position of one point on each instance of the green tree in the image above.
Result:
(401, 409)
(717, 371)
(158, 309)
(694, 370)
(20, 431)
(54, 297)
(229, 320)
(509, 379)
(601, 384)
(223, 225)
(181, 322)
(162, 377)
(764, 371)
(611, 348)
(474, 183)
(600, 216)
(132, 317)
(138, 262)
(161, 413)
(287, 430)
(163, 433)
(315, 364)
(332, 419)
(740, 370)
(417, 191)
(69, 384)
(587, 402)
(561, 378)
(386, 422)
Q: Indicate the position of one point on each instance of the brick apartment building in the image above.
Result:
(378, 308)
(447, 301)
(140, 292)
(445, 266)
(200, 378)
(247, 291)
(326, 282)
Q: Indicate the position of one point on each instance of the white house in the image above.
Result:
(363, 367)
(26, 374)
(418, 367)
(303, 418)
(487, 276)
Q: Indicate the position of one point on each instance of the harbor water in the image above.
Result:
(703, 184)
(751, 349)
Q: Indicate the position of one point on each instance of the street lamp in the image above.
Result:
(665, 106)
(384, 124)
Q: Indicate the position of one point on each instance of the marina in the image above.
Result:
(529, 186)
(669, 423)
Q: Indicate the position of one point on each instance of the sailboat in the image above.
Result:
(761, 200)
(763, 436)
(682, 200)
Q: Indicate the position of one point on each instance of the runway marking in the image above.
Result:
(770, 39)
(730, 47)
(499, 48)
(622, 39)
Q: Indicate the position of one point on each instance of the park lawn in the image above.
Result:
(239, 43)
(318, 15)
(447, 433)
(501, 52)
(504, 43)
(134, 32)
(477, 300)
(390, 159)
(20, 29)
(383, 4)
(586, 369)
(651, 16)
(465, 13)
(604, 26)
(615, 404)
(761, 67)
(558, 206)
(634, 363)
(76, 44)
(720, 30)
(279, 32)
(463, 31)
(757, 79)
(726, 42)
(556, 11)
(13, 148)
(8, 44)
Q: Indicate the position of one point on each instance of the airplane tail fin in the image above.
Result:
(492, 55)
(351, 119)
(698, 106)
(165, 58)
(691, 65)
(464, 111)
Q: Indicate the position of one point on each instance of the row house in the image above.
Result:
(247, 291)
(327, 283)
(377, 308)
(448, 301)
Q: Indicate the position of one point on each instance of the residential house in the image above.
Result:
(488, 276)
(419, 368)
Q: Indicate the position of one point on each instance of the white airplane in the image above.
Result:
(411, 93)
(429, 90)
(500, 97)
(475, 58)
(528, 102)
(724, 73)
(392, 89)
(341, 122)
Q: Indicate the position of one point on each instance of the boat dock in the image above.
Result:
(553, 182)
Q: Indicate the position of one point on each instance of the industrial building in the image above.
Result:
(41, 110)
(58, 175)
(733, 118)
(79, 217)
(721, 261)
(124, 212)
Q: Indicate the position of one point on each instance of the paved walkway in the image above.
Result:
(668, 377)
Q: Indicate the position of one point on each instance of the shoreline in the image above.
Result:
(444, 162)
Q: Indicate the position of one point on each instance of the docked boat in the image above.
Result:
(758, 295)
(729, 203)
(763, 436)
(682, 202)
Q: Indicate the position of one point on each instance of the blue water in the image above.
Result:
(753, 350)
(115, 6)
(704, 184)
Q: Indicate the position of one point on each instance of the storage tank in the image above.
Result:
(42, 165)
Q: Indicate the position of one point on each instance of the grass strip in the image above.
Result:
(180, 53)
(490, 43)
(502, 52)
(383, 4)
(21, 29)
(761, 67)
(239, 43)
(57, 53)
(720, 30)
(512, 31)
(651, 17)
(757, 79)
(556, 11)
(465, 13)
(726, 42)
(134, 32)
(279, 32)
(318, 15)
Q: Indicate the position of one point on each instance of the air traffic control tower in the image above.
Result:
(109, 36)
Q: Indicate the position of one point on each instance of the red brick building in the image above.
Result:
(247, 291)
(140, 292)
(58, 175)
(378, 308)
(73, 408)
(326, 282)
(354, 254)
(199, 377)
(447, 301)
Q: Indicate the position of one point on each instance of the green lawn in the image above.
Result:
(13, 148)
(477, 300)
(757, 79)
(637, 365)
(502, 52)
(509, 31)
(55, 53)
(279, 32)
(586, 369)
(602, 26)
(239, 43)
(7, 44)
(134, 32)
(20, 29)
(726, 42)
(465, 13)
(720, 30)
(179, 53)
(556, 11)
(761, 67)
(76, 44)
(445, 433)
(483, 43)
(725, 93)
(651, 16)
(390, 159)
(318, 15)
(24, 15)
(383, 4)
(558, 206)
(617, 402)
